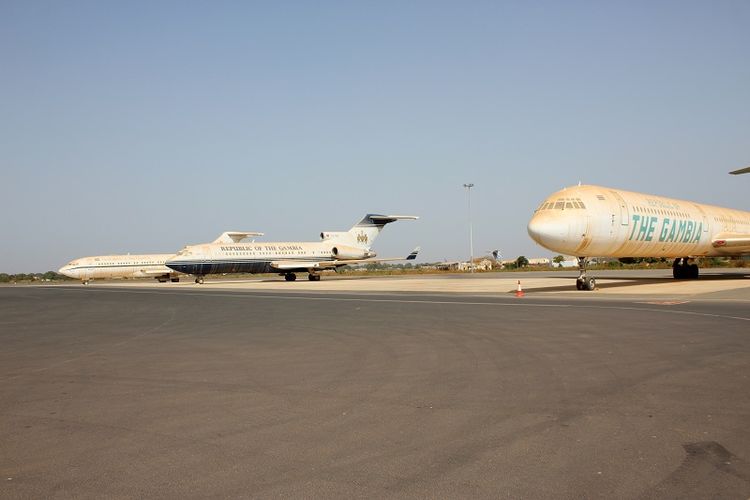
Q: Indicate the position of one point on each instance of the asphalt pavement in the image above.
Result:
(149, 392)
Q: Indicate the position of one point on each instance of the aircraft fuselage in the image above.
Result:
(119, 266)
(596, 221)
(255, 258)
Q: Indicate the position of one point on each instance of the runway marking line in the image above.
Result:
(666, 302)
(401, 301)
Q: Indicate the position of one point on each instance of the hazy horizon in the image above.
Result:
(142, 127)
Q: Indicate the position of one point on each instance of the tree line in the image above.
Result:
(48, 276)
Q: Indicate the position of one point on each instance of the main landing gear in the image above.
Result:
(290, 276)
(683, 270)
(199, 280)
(313, 277)
(584, 282)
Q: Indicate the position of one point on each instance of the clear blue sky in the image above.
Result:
(143, 126)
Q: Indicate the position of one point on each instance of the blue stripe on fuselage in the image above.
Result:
(250, 266)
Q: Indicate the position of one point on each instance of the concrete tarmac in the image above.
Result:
(195, 391)
(716, 283)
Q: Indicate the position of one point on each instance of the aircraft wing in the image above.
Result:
(286, 265)
(732, 242)
(157, 272)
(745, 170)
(235, 236)
(291, 265)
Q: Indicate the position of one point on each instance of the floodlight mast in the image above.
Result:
(471, 229)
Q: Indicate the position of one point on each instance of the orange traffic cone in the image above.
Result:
(519, 290)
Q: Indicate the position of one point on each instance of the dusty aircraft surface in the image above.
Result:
(596, 221)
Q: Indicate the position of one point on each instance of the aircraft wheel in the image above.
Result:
(693, 271)
(313, 277)
(579, 284)
(290, 277)
(199, 280)
(175, 280)
(589, 284)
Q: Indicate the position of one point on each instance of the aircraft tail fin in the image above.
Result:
(363, 233)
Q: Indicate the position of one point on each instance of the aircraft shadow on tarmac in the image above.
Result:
(625, 281)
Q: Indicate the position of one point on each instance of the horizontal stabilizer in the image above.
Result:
(382, 220)
(413, 254)
(235, 236)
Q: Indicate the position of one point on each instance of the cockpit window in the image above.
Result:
(563, 204)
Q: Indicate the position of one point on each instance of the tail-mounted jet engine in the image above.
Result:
(351, 253)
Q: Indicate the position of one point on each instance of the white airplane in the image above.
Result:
(135, 266)
(120, 266)
(595, 221)
(337, 249)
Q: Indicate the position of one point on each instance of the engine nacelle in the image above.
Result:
(351, 253)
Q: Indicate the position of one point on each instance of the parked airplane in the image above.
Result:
(135, 266)
(595, 221)
(337, 248)
(120, 266)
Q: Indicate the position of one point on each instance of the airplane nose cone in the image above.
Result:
(548, 232)
(65, 271)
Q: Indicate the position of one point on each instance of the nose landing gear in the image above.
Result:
(199, 280)
(584, 282)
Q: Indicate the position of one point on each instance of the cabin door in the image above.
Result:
(704, 219)
(624, 212)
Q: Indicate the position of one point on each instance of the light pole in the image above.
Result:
(471, 230)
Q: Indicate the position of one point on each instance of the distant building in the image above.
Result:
(540, 261)
(536, 261)
(482, 265)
